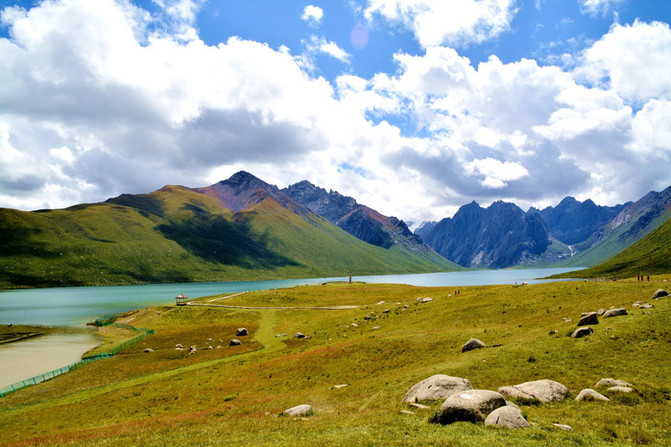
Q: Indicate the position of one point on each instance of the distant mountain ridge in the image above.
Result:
(359, 220)
(499, 236)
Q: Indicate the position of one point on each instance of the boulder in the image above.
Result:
(179, 346)
(241, 332)
(591, 395)
(439, 386)
(563, 427)
(589, 318)
(620, 389)
(472, 344)
(581, 332)
(601, 311)
(469, 406)
(427, 300)
(148, 350)
(615, 312)
(611, 382)
(234, 342)
(510, 417)
(646, 306)
(542, 390)
(299, 410)
(660, 293)
(299, 335)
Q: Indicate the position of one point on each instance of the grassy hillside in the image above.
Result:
(179, 235)
(651, 255)
(233, 395)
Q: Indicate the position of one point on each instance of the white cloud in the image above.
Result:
(438, 22)
(596, 7)
(496, 173)
(313, 15)
(632, 60)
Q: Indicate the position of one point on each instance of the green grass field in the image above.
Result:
(233, 394)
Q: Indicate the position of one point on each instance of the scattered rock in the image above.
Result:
(179, 349)
(148, 350)
(299, 335)
(439, 386)
(380, 303)
(367, 317)
(581, 332)
(342, 385)
(609, 382)
(210, 347)
(553, 332)
(620, 389)
(407, 412)
(510, 417)
(615, 312)
(405, 307)
(355, 325)
(218, 347)
(375, 328)
(234, 342)
(646, 306)
(426, 300)
(660, 293)
(636, 304)
(542, 390)
(600, 312)
(420, 406)
(386, 311)
(589, 318)
(589, 394)
(563, 427)
(192, 350)
(469, 406)
(472, 344)
(298, 411)
(241, 332)
(179, 346)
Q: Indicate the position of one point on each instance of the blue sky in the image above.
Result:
(433, 105)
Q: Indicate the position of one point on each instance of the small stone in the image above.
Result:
(241, 332)
(355, 325)
(563, 427)
(298, 411)
(620, 389)
(420, 406)
(179, 346)
(299, 335)
(589, 318)
(337, 387)
(646, 306)
(472, 344)
(609, 382)
(148, 350)
(589, 394)
(407, 412)
(380, 303)
(367, 317)
(581, 332)
(600, 312)
(615, 312)
(426, 300)
(386, 311)
(234, 342)
(210, 347)
(375, 328)
(636, 304)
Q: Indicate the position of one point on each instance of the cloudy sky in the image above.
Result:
(413, 107)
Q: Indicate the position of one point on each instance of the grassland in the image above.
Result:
(232, 395)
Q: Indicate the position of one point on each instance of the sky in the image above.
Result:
(412, 107)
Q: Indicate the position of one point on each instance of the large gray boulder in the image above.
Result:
(615, 312)
(469, 406)
(508, 416)
(660, 293)
(589, 394)
(299, 410)
(472, 344)
(589, 318)
(541, 390)
(241, 332)
(439, 386)
(234, 342)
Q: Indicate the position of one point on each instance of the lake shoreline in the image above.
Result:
(10, 333)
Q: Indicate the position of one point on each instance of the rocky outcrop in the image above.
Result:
(439, 386)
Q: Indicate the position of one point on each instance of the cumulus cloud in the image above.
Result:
(438, 22)
(313, 15)
(94, 102)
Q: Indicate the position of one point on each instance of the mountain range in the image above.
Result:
(240, 228)
(244, 228)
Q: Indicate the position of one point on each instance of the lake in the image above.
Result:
(70, 308)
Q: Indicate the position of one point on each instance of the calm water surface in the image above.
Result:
(69, 308)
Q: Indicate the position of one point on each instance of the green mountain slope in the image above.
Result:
(650, 255)
(178, 234)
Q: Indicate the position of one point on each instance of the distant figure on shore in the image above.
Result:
(350, 277)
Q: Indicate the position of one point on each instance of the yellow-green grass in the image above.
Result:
(141, 398)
